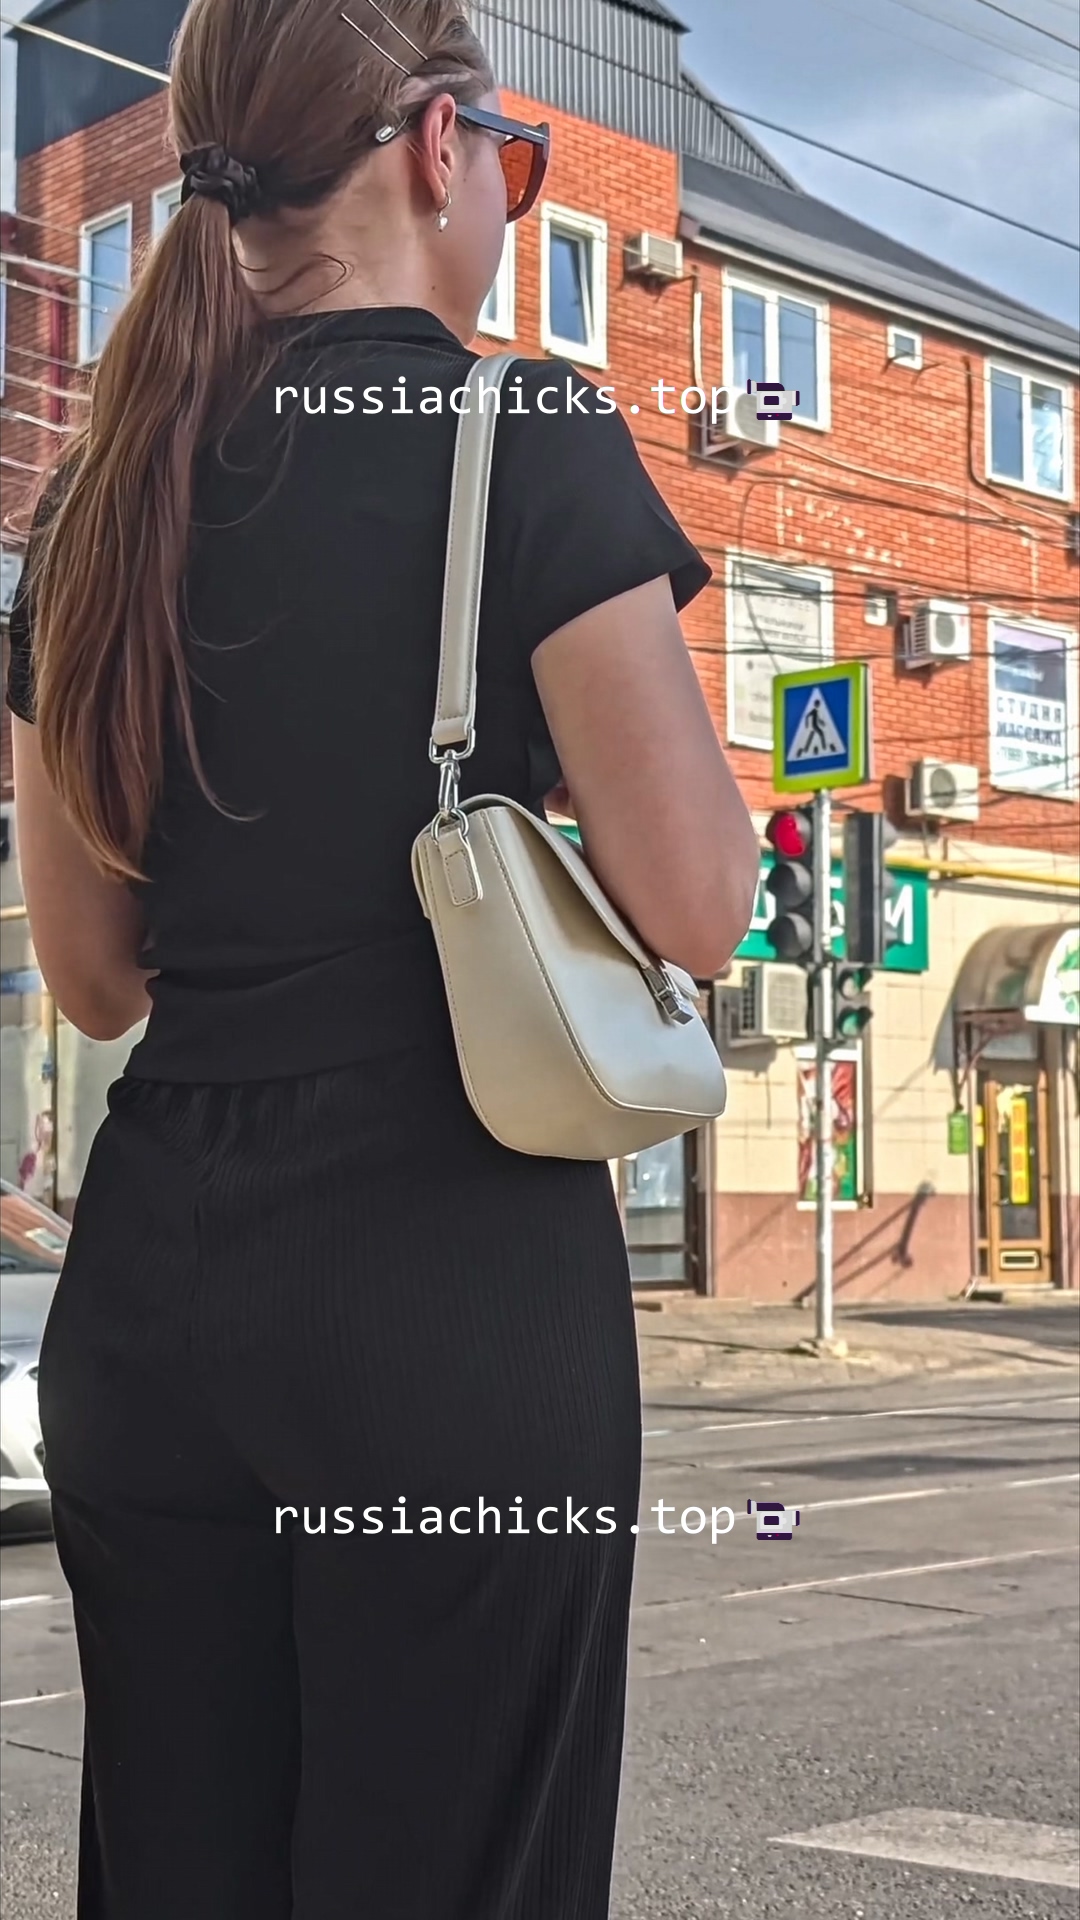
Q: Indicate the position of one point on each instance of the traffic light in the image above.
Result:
(868, 887)
(791, 883)
(852, 1011)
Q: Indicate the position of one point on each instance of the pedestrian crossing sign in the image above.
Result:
(821, 728)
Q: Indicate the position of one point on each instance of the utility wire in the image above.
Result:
(1031, 25)
(755, 119)
(988, 40)
(82, 46)
(910, 40)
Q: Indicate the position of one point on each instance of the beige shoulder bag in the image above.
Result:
(574, 1041)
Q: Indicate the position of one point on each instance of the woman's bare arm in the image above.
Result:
(85, 927)
(664, 824)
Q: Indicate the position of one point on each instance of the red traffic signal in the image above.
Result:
(791, 834)
(790, 932)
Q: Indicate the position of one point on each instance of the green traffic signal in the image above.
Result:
(852, 1011)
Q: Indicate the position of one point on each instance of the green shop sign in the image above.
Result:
(907, 913)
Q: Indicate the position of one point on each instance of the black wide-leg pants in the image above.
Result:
(336, 1294)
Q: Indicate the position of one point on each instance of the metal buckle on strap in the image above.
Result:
(670, 998)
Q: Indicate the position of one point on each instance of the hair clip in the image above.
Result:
(374, 43)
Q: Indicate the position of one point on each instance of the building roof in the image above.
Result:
(793, 228)
(710, 132)
(653, 10)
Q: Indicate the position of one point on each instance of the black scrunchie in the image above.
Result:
(217, 176)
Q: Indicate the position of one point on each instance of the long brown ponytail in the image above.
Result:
(286, 88)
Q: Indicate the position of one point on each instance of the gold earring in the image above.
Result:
(444, 214)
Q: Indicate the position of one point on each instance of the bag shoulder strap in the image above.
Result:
(455, 701)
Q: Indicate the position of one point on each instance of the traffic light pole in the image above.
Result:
(823, 1034)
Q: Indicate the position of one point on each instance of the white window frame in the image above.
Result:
(159, 214)
(772, 292)
(1026, 374)
(554, 219)
(504, 325)
(822, 577)
(900, 359)
(87, 231)
(1007, 617)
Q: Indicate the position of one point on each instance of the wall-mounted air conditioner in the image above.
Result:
(938, 630)
(942, 790)
(738, 434)
(771, 1004)
(653, 256)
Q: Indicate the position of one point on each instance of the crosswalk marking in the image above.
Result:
(964, 1842)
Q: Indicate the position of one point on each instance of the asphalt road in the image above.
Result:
(904, 1669)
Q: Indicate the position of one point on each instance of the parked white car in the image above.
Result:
(33, 1241)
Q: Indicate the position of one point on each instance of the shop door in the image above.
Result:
(1014, 1174)
(657, 1194)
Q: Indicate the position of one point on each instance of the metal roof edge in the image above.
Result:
(693, 85)
(889, 287)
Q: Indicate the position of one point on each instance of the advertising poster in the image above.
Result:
(847, 1121)
(1032, 733)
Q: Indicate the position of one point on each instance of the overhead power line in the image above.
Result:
(905, 179)
(988, 40)
(858, 13)
(755, 119)
(82, 46)
(1031, 25)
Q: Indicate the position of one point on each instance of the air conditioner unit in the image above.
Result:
(938, 630)
(1072, 536)
(738, 435)
(654, 256)
(942, 790)
(771, 1004)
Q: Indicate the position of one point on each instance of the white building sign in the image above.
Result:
(1032, 709)
(779, 620)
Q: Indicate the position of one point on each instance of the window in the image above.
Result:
(779, 619)
(164, 205)
(1028, 431)
(573, 286)
(770, 335)
(1033, 708)
(905, 347)
(105, 276)
(497, 312)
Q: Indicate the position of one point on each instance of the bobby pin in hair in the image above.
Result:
(394, 28)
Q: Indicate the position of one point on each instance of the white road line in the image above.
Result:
(963, 1842)
(899, 1573)
(39, 1699)
(896, 1449)
(31, 1600)
(877, 1413)
(910, 1493)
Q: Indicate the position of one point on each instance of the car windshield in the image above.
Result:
(32, 1240)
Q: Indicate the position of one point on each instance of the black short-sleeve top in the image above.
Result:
(278, 919)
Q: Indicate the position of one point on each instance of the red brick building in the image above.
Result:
(918, 512)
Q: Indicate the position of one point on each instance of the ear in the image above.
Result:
(434, 146)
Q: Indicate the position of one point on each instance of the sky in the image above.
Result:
(887, 80)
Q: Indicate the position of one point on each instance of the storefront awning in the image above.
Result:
(1032, 972)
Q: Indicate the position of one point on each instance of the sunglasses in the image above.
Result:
(523, 155)
(523, 150)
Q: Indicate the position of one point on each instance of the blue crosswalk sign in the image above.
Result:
(821, 733)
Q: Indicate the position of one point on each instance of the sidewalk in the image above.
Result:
(692, 1342)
